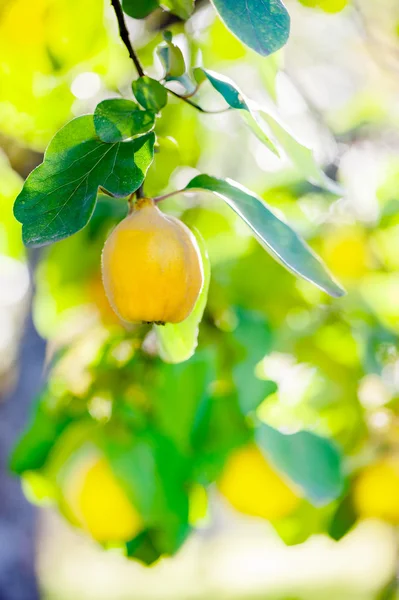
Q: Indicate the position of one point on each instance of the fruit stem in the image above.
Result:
(123, 32)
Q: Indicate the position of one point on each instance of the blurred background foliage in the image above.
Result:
(330, 366)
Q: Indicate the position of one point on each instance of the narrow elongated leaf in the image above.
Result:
(181, 8)
(277, 133)
(150, 93)
(177, 342)
(310, 461)
(274, 234)
(263, 25)
(139, 9)
(59, 196)
(236, 99)
(118, 119)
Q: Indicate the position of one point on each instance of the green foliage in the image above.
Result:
(58, 198)
(275, 235)
(263, 26)
(181, 8)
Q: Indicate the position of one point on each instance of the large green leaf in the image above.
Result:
(59, 196)
(275, 235)
(118, 119)
(263, 25)
(177, 342)
(181, 8)
(310, 461)
(259, 117)
(139, 9)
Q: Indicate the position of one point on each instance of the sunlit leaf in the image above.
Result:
(282, 242)
(310, 461)
(262, 25)
(172, 60)
(150, 93)
(177, 342)
(276, 133)
(139, 9)
(118, 119)
(181, 8)
(58, 197)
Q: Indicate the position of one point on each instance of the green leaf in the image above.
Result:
(150, 93)
(37, 441)
(276, 237)
(236, 99)
(59, 196)
(172, 60)
(190, 382)
(117, 119)
(181, 8)
(153, 474)
(263, 25)
(177, 342)
(310, 461)
(252, 339)
(300, 155)
(139, 9)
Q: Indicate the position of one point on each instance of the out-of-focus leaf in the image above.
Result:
(37, 441)
(150, 93)
(153, 475)
(190, 380)
(177, 342)
(343, 520)
(278, 133)
(263, 26)
(139, 9)
(310, 461)
(275, 236)
(59, 196)
(181, 8)
(118, 119)
(252, 337)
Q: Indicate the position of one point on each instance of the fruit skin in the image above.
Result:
(99, 504)
(151, 266)
(376, 491)
(254, 488)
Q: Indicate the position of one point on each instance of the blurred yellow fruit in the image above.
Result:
(152, 268)
(97, 296)
(346, 253)
(254, 488)
(376, 491)
(329, 6)
(99, 504)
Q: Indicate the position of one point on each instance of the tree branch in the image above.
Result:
(123, 32)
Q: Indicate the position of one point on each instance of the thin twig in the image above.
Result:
(123, 32)
(194, 105)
